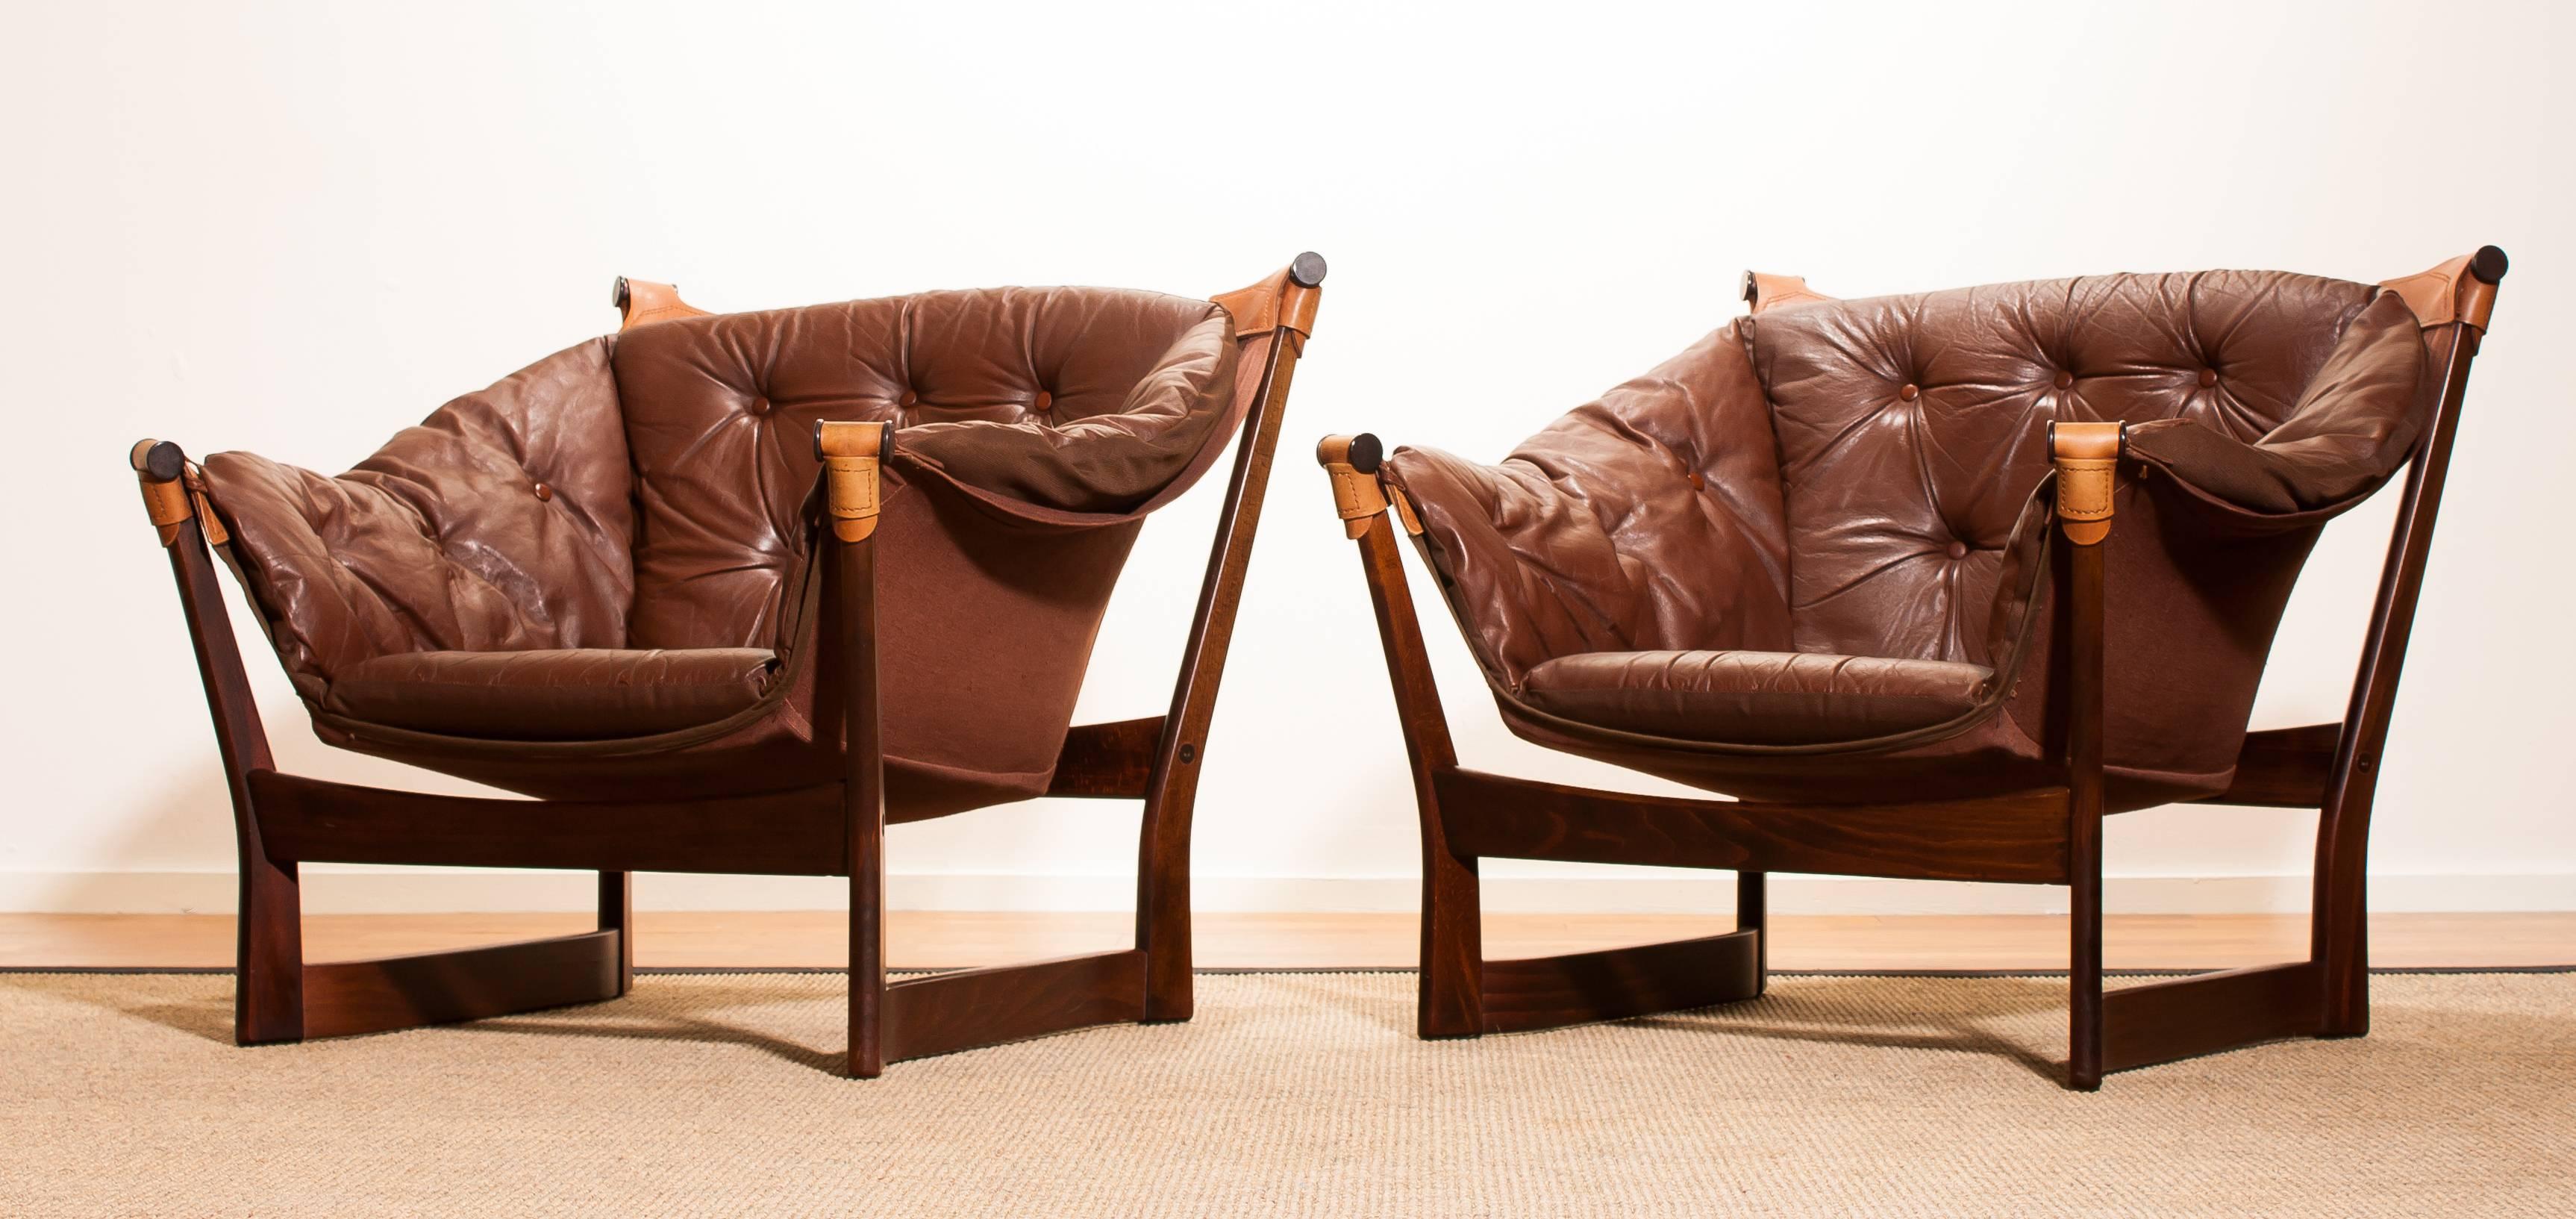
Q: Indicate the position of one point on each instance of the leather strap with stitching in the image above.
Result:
(642, 300)
(193, 477)
(2087, 456)
(1357, 497)
(1768, 292)
(1277, 302)
(2447, 293)
(850, 453)
(165, 500)
(1403, 505)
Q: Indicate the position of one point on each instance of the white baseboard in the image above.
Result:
(404, 891)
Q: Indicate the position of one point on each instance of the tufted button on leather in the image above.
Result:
(1044, 402)
(1958, 550)
(908, 398)
(544, 492)
(2208, 377)
(2065, 380)
(1699, 481)
(1909, 393)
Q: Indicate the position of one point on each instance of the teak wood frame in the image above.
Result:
(2048, 836)
(838, 829)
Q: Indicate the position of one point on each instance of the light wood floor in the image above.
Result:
(1309, 941)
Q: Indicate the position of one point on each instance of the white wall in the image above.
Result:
(294, 227)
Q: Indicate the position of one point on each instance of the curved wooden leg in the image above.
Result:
(268, 977)
(1452, 1001)
(1163, 882)
(2339, 916)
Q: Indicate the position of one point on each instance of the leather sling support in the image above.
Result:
(1284, 300)
(2087, 456)
(1768, 292)
(1357, 497)
(850, 452)
(1403, 505)
(641, 300)
(2454, 291)
(160, 468)
(193, 477)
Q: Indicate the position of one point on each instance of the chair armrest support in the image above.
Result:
(158, 465)
(1352, 462)
(2087, 456)
(851, 453)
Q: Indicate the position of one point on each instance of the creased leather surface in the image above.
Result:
(554, 694)
(2334, 445)
(441, 540)
(1771, 698)
(572, 584)
(1880, 469)
(720, 414)
(1649, 518)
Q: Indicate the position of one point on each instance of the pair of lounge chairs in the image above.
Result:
(1932, 583)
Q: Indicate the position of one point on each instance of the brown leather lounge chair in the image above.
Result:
(728, 594)
(1810, 563)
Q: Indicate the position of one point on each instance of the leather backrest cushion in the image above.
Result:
(1104, 397)
(500, 523)
(1649, 518)
(1911, 429)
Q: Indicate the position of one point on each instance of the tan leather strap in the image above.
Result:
(1285, 299)
(1403, 505)
(2447, 293)
(2087, 456)
(193, 477)
(1357, 497)
(850, 452)
(159, 468)
(642, 300)
(1768, 292)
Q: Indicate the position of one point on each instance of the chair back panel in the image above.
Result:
(720, 413)
(500, 523)
(1912, 428)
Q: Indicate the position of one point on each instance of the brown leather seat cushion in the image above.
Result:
(1755, 698)
(561, 694)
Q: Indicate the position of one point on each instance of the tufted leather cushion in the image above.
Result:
(1868, 479)
(1648, 519)
(555, 694)
(1769, 698)
(1061, 400)
(501, 523)
(1912, 428)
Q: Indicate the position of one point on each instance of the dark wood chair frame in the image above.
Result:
(2047, 836)
(837, 829)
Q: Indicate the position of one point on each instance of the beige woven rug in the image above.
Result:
(1290, 1094)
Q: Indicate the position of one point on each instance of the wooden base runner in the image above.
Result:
(944, 1013)
(353, 997)
(1615, 983)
